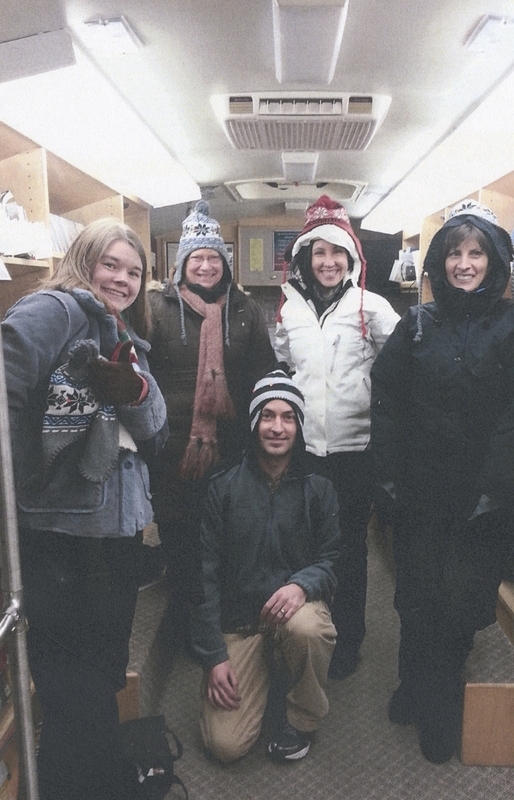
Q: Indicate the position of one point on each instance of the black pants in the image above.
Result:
(179, 532)
(80, 597)
(447, 577)
(351, 476)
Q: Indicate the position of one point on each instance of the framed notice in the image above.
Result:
(261, 254)
(171, 257)
(230, 250)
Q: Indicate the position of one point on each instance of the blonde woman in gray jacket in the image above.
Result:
(82, 409)
(329, 332)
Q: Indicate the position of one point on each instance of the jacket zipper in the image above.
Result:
(334, 354)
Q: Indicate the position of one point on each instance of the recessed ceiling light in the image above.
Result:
(490, 31)
(113, 35)
(298, 54)
(115, 146)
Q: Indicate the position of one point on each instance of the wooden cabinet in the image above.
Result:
(45, 184)
(498, 196)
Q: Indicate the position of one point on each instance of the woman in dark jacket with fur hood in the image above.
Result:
(442, 432)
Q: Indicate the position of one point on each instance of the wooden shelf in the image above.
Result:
(25, 276)
(498, 196)
(505, 609)
(45, 184)
(24, 262)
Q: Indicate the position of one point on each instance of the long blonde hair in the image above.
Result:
(75, 270)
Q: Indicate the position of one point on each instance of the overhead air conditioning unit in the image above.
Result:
(300, 121)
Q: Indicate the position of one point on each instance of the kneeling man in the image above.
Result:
(270, 537)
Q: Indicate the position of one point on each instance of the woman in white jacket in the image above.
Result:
(330, 331)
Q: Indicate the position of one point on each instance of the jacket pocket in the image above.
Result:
(64, 490)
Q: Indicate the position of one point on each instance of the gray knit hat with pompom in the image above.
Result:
(199, 230)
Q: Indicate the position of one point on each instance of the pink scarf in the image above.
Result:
(212, 400)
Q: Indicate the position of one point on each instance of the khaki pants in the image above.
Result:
(306, 642)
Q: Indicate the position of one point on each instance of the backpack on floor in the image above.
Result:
(146, 747)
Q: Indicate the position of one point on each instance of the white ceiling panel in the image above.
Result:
(412, 51)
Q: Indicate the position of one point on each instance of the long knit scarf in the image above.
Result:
(212, 400)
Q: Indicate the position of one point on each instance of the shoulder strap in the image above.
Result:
(179, 753)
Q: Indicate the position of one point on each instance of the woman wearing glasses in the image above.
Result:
(210, 344)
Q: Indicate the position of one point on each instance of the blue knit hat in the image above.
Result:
(199, 230)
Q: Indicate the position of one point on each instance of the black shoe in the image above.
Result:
(440, 720)
(438, 742)
(290, 744)
(402, 706)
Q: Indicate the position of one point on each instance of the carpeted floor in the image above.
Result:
(357, 754)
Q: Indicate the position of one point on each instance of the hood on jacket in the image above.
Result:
(328, 220)
(453, 300)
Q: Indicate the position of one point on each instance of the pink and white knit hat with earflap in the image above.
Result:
(327, 219)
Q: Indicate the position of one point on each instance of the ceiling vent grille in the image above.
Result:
(293, 121)
(300, 135)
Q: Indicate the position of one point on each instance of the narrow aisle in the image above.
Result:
(357, 754)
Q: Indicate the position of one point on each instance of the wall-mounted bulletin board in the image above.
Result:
(261, 255)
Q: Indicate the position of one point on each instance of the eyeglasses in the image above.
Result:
(211, 260)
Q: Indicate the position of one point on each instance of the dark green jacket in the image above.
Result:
(254, 542)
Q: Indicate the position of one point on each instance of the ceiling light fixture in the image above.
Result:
(114, 35)
(298, 28)
(490, 31)
(342, 191)
(299, 167)
(31, 55)
(77, 114)
(295, 205)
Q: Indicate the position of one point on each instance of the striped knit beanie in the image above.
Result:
(276, 385)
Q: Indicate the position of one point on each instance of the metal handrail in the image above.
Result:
(12, 621)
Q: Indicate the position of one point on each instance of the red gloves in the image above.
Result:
(116, 382)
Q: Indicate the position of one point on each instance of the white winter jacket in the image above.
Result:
(332, 361)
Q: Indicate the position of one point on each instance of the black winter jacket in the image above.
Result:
(442, 407)
(254, 542)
